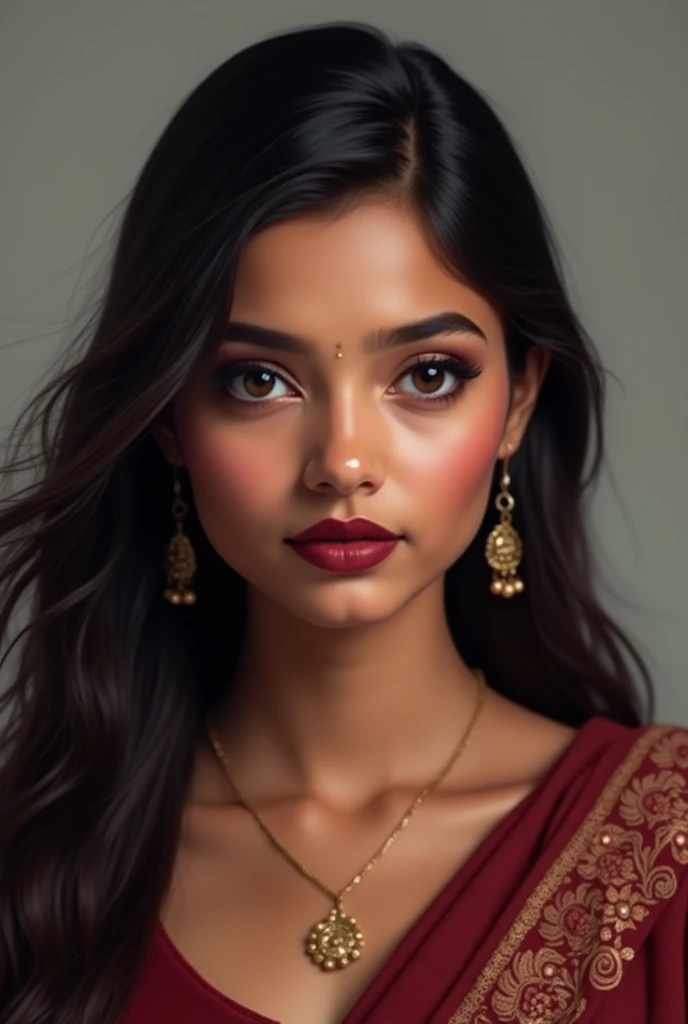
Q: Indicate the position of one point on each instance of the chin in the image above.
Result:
(346, 608)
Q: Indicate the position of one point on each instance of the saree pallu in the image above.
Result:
(575, 908)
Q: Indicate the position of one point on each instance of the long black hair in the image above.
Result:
(111, 685)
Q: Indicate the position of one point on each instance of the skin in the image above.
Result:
(350, 694)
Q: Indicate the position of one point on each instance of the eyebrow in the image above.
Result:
(375, 341)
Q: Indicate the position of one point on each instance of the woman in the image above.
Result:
(316, 716)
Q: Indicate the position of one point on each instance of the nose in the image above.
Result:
(344, 447)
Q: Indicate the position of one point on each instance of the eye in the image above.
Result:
(437, 377)
(250, 382)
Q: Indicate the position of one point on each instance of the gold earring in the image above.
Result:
(180, 558)
(504, 548)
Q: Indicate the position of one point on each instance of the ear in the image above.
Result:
(163, 430)
(524, 395)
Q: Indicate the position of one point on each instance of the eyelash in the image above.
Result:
(462, 369)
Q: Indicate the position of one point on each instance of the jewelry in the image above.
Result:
(340, 354)
(337, 940)
(504, 548)
(180, 559)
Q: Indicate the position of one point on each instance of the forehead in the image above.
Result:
(372, 264)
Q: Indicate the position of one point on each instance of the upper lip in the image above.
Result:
(340, 529)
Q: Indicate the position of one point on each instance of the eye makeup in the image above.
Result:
(435, 369)
(261, 381)
(259, 373)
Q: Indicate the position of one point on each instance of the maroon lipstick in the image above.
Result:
(338, 545)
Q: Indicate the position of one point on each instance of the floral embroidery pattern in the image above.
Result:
(573, 918)
(582, 920)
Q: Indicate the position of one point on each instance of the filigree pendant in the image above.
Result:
(335, 942)
(504, 550)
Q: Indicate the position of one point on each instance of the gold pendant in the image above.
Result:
(335, 942)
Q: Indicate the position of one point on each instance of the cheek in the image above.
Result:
(462, 472)
(234, 480)
(455, 474)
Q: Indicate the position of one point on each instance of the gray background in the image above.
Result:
(594, 92)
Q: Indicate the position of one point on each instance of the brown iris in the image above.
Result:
(427, 379)
(258, 383)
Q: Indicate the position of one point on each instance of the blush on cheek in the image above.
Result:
(457, 475)
(469, 464)
(230, 480)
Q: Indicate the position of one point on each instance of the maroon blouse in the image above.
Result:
(574, 908)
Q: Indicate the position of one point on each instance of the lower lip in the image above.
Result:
(345, 556)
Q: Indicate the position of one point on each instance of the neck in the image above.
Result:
(343, 715)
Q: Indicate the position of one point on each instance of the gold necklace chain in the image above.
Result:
(337, 941)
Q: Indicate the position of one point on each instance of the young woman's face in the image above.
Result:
(320, 417)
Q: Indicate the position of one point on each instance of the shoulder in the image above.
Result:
(626, 865)
(631, 848)
(606, 747)
(609, 898)
(590, 773)
(635, 779)
(649, 756)
(647, 787)
(521, 745)
(652, 786)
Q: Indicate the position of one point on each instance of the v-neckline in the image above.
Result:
(465, 869)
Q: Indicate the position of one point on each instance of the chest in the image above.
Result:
(239, 913)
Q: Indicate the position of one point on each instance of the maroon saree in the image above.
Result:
(575, 908)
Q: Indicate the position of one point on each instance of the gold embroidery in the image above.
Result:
(597, 892)
(672, 750)
(573, 917)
